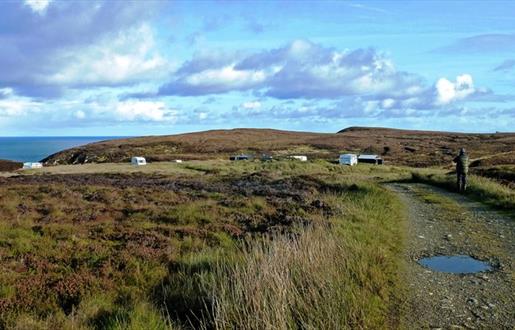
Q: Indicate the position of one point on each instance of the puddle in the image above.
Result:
(459, 264)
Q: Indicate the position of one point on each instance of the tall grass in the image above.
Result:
(338, 276)
(285, 283)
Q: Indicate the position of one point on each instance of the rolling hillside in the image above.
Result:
(404, 147)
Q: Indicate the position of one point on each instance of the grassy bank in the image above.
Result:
(483, 189)
(211, 244)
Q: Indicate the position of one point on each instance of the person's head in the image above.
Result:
(462, 151)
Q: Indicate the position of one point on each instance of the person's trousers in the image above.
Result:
(461, 182)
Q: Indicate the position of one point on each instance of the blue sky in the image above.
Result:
(144, 68)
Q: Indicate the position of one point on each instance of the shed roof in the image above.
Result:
(369, 157)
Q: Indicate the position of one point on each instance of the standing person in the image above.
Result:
(462, 169)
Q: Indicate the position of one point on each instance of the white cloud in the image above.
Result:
(300, 69)
(17, 106)
(141, 110)
(128, 56)
(227, 76)
(251, 105)
(12, 105)
(38, 6)
(388, 103)
(80, 114)
(448, 91)
(6, 92)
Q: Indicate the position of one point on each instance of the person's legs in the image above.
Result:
(458, 181)
(464, 182)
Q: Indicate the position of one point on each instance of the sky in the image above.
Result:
(125, 68)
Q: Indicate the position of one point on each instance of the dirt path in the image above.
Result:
(444, 223)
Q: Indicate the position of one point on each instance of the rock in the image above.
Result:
(472, 301)
(448, 236)
(420, 236)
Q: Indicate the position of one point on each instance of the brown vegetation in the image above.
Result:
(141, 250)
(400, 147)
(7, 165)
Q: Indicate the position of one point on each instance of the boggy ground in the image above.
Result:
(444, 223)
(110, 251)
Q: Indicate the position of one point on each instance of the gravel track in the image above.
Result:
(445, 223)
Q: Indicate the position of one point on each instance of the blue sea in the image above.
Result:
(32, 149)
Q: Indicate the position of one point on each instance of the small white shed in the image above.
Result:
(370, 159)
(138, 161)
(30, 165)
(348, 159)
(177, 161)
(300, 157)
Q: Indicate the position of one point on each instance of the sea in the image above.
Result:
(33, 149)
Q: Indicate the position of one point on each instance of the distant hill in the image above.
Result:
(7, 165)
(404, 147)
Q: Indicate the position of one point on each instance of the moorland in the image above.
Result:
(90, 242)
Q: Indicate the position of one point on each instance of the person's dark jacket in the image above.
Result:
(462, 164)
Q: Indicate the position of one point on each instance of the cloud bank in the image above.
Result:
(46, 48)
(306, 70)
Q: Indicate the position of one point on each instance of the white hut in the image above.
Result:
(31, 165)
(348, 159)
(138, 161)
(300, 157)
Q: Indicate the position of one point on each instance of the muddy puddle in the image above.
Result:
(457, 264)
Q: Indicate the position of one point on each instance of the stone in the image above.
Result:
(472, 301)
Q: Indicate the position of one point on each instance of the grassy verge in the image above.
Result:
(343, 275)
(483, 189)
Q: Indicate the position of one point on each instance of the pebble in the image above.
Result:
(448, 236)
(472, 301)
(420, 236)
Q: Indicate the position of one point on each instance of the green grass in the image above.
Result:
(486, 190)
(335, 275)
(103, 256)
